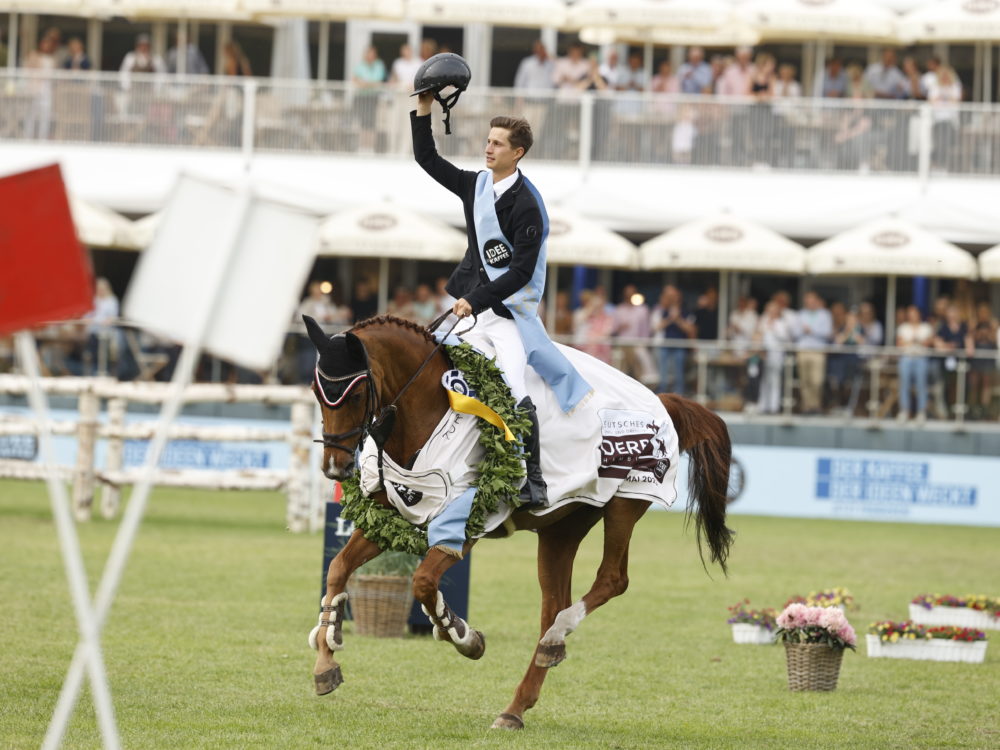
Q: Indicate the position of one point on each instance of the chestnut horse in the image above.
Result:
(392, 361)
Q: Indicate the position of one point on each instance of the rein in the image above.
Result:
(380, 427)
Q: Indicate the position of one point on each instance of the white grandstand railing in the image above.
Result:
(252, 115)
(304, 505)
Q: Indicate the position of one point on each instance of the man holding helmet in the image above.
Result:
(502, 276)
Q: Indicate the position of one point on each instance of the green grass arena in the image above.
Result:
(206, 643)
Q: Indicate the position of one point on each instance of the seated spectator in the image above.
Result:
(535, 71)
(695, 76)
(835, 79)
(914, 336)
(669, 323)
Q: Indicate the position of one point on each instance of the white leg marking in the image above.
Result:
(565, 623)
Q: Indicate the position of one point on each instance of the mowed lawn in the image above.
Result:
(206, 643)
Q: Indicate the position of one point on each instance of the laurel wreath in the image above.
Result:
(499, 472)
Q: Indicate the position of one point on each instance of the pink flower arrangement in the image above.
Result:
(798, 623)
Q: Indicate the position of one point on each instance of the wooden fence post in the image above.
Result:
(111, 493)
(86, 439)
(297, 516)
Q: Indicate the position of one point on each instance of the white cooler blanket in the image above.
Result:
(618, 441)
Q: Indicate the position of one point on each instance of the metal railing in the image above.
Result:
(854, 383)
(268, 115)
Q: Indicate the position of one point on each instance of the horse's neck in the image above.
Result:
(399, 353)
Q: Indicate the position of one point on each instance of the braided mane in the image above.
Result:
(384, 320)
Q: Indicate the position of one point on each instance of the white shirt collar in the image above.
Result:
(499, 188)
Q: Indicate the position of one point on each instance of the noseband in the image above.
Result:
(377, 423)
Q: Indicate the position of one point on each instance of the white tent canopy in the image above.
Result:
(640, 14)
(890, 247)
(989, 264)
(98, 226)
(952, 21)
(723, 243)
(531, 13)
(322, 9)
(139, 234)
(574, 240)
(392, 231)
(844, 20)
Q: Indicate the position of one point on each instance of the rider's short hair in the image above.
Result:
(519, 131)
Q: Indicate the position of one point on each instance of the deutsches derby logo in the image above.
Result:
(632, 447)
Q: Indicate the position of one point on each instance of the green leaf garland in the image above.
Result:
(500, 469)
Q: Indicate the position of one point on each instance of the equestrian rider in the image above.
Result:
(502, 276)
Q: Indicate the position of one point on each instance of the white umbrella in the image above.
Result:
(577, 241)
(845, 20)
(646, 14)
(952, 21)
(720, 36)
(531, 13)
(989, 264)
(139, 235)
(98, 226)
(214, 10)
(325, 9)
(388, 230)
(889, 247)
(723, 243)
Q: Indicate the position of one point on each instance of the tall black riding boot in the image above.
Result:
(534, 493)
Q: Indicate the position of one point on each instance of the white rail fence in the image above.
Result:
(302, 481)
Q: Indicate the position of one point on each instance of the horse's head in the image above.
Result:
(342, 382)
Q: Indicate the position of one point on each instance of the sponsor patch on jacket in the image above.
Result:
(497, 254)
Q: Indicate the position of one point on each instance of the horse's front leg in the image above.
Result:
(447, 625)
(327, 636)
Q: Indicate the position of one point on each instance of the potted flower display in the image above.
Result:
(970, 611)
(815, 639)
(835, 597)
(752, 625)
(381, 594)
(909, 640)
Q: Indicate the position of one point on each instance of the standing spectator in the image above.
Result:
(39, 65)
(194, 61)
(234, 60)
(816, 332)
(835, 80)
(535, 71)
(929, 78)
(914, 336)
(77, 57)
(401, 304)
(842, 366)
(735, 79)
(743, 322)
(695, 76)
(443, 300)
(774, 335)
(429, 48)
(871, 327)
(665, 82)
(706, 315)
(670, 324)
(888, 82)
(593, 325)
(424, 305)
(985, 340)
(102, 329)
(369, 74)
(632, 322)
(785, 86)
(632, 78)
(944, 93)
(954, 341)
(364, 303)
(914, 87)
(320, 306)
(611, 70)
(857, 85)
(404, 69)
(59, 50)
(886, 79)
(140, 60)
(569, 71)
(853, 138)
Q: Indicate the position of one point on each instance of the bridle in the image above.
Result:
(377, 423)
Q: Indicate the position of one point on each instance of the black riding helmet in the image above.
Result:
(439, 72)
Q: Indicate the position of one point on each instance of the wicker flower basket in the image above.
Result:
(381, 604)
(813, 666)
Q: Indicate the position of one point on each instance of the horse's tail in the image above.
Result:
(703, 434)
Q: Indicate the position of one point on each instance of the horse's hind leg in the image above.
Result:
(447, 625)
(326, 636)
(620, 517)
(557, 546)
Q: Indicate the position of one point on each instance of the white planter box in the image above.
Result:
(927, 650)
(963, 617)
(746, 633)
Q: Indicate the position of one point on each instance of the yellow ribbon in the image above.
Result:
(469, 405)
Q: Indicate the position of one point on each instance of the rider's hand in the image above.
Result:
(461, 308)
(424, 103)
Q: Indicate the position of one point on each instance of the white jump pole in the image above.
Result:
(132, 517)
(88, 652)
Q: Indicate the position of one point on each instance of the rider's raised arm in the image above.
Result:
(527, 239)
(458, 181)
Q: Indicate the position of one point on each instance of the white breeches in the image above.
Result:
(500, 335)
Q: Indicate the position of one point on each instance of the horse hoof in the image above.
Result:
(329, 681)
(508, 721)
(476, 649)
(549, 655)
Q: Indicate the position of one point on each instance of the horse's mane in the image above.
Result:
(384, 320)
